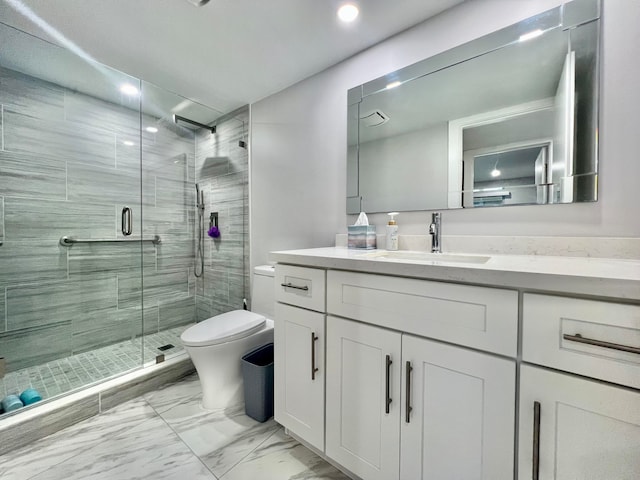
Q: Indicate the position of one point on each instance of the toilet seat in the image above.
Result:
(223, 328)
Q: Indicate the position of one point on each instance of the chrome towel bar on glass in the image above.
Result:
(68, 241)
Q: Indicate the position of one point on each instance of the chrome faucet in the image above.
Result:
(434, 231)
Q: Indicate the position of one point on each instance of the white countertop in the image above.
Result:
(598, 277)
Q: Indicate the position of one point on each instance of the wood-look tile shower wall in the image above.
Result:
(64, 170)
(222, 171)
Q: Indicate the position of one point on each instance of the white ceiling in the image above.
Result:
(225, 54)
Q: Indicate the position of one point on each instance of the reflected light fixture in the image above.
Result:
(530, 35)
(128, 143)
(395, 84)
(151, 129)
(129, 89)
(495, 172)
(348, 12)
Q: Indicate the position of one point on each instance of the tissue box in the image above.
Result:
(361, 236)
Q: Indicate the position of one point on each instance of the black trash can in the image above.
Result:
(257, 373)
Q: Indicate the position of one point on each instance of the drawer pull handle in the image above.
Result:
(408, 393)
(314, 369)
(599, 343)
(386, 385)
(535, 474)
(290, 285)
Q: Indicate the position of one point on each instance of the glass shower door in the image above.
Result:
(71, 205)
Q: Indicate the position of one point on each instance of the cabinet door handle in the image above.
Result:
(127, 221)
(535, 474)
(314, 369)
(408, 393)
(386, 385)
(599, 343)
(291, 285)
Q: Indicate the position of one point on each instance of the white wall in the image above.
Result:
(298, 171)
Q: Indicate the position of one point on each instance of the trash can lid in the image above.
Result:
(223, 328)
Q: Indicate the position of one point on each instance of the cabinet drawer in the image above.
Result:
(300, 286)
(483, 318)
(556, 331)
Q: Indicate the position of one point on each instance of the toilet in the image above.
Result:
(217, 344)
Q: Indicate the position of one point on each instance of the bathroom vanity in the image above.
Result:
(416, 365)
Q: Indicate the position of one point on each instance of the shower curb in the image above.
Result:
(39, 421)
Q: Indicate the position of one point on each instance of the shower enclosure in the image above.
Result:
(98, 218)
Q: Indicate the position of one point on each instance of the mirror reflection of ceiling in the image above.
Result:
(40, 59)
(515, 74)
(512, 164)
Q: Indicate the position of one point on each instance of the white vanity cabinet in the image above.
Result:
(518, 368)
(363, 398)
(457, 414)
(574, 428)
(299, 347)
(402, 406)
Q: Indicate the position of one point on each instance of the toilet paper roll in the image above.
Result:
(29, 396)
(11, 402)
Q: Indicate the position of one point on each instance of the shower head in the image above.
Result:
(198, 3)
(178, 118)
(199, 198)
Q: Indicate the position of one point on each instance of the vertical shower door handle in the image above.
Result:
(127, 221)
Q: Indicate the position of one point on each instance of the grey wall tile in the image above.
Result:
(238, 285)
(31, 175)
(85, 110)
(203, 308)
(89, 183)
(89, 300)
(87, 258)
(57, 140)
(99, 329)
(175, 313)
(171, 284)
(1, 219)
(36, 345)
(34, 219)
(229, 187)
(137, 321)
(177, 251)
(25, 261)
(30, 96)
(2, 311)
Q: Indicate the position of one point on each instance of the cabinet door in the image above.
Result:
(583, 429)
(299, 372)
(458, 413)
(361, 435)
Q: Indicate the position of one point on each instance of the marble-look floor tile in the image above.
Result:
(281, 458)
(46, 453)
(150, 450)
(172, 394)
(221, 438)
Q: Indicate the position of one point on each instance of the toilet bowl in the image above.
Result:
(217, 344)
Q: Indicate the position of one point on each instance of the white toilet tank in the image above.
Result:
(263, 291)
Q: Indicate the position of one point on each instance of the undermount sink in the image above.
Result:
(425, 256)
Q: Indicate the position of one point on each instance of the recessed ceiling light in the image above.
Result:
(152, 129)
(129, 89)
(395, 84)
(128, 143)
(348, 12)
(530, 35)
(495, 172)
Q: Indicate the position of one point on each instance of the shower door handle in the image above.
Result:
(127, 221)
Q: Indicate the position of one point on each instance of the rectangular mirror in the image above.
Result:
(510, 118)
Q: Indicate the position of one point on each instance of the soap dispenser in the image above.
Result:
(392, 232)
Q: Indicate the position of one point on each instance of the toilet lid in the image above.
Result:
(223, 328)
